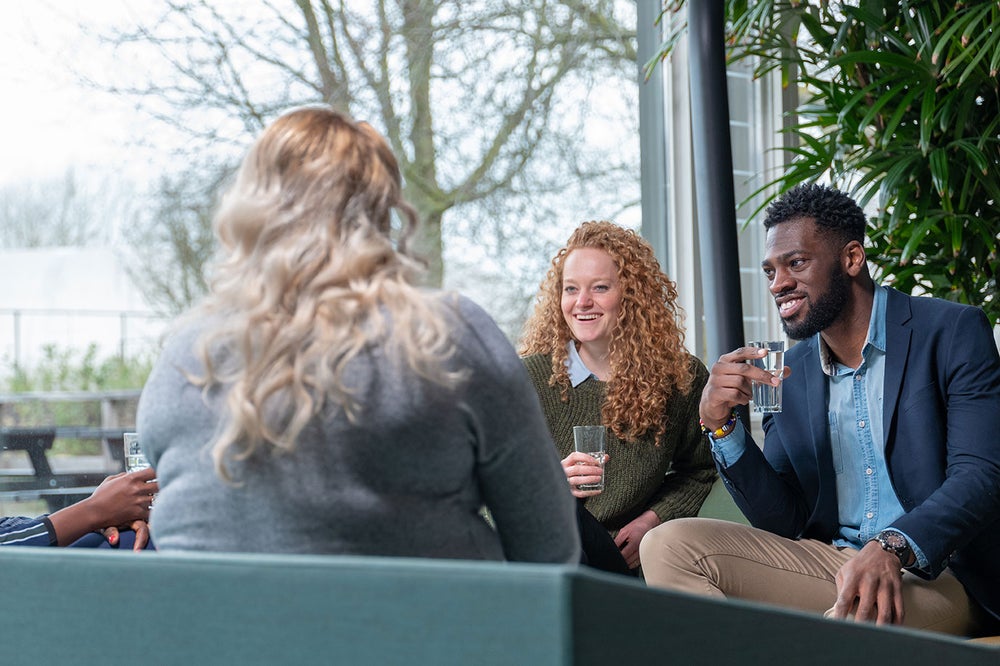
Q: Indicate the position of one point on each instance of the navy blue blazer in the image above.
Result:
(942, 442)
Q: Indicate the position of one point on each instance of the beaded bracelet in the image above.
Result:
(726, 428)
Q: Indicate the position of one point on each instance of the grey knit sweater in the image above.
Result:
(408, 480)
(672, 479)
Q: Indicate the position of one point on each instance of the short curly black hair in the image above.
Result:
(832, 210)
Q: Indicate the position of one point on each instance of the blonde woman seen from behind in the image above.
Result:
(605, 346)
(317, 401)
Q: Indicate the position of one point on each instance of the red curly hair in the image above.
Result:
(649, 362)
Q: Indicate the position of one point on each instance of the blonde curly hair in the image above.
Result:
(649, 363)
(309, 273)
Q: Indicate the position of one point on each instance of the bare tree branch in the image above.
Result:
(478, 98)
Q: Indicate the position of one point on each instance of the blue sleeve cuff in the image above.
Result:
(921, 562)
(727, 450)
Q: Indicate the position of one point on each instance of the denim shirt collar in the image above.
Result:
(876, 334)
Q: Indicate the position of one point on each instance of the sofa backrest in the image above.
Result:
(95, 606)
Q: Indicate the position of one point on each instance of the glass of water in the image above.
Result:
(767, 398)
(590, 440)
(134, 457)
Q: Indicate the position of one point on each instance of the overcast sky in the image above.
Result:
(48, 120)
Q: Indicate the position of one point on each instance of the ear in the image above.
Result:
(854, 258)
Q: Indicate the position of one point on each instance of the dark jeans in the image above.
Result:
(126, 539)
(599, 549)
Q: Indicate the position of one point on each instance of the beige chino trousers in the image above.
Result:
(718, 558)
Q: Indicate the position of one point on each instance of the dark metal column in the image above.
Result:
(713, 170)
(714, 191)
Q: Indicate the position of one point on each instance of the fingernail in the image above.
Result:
(113, 539)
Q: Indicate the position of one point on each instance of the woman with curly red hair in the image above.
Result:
(605, 346)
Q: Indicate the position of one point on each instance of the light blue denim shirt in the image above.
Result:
(867, 501)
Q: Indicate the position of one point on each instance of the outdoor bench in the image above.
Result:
(40, 481)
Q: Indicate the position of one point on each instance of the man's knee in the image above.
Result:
(673, 544)
(684, 533)
(672, 554)
(679, 530)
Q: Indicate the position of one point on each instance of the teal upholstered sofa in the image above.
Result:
(74, 606)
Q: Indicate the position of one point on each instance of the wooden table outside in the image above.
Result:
(57, 489)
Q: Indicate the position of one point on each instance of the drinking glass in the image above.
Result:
(767, 398)
(134, 457)
(590, 440)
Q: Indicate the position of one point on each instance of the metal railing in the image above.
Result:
(24, 332)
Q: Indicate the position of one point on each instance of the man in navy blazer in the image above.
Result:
(876, 496)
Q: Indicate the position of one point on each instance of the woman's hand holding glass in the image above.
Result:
(583, 469)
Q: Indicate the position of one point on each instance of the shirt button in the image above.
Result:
(861, 424)
(869, 515)
(868, 471)
(858, 378)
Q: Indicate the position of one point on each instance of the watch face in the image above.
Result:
(894, 540)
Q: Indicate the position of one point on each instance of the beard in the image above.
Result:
(825, 310)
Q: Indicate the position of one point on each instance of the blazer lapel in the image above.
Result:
(898, 334)
(817, 399)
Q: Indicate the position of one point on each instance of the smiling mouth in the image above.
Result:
(789, 306)
(587, 317)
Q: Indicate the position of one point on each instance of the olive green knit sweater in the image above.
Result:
(672, 479)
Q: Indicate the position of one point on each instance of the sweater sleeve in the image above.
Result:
(21, 531)
(693, 471)
(519, 472)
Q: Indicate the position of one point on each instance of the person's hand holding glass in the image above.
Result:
(135, 462)
(585, 466)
